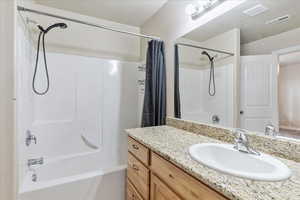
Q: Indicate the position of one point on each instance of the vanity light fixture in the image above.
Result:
(195, 10)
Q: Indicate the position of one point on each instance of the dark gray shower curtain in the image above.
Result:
(154, 110)
(177, 109)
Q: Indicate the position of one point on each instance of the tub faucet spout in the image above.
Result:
(33, 162)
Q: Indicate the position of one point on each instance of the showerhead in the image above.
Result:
(60, 25)
(209, 57)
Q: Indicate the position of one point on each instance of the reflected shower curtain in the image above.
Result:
(177, 109)
(154, 110)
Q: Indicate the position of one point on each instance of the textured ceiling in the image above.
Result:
(131, 12)
(252, 28)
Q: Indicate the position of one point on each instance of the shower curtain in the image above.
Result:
(154, 109)
(177, 109)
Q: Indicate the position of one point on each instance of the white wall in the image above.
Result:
(171, 23)
(84, 40)
(289, 96)
(8, 168)
(273, 43)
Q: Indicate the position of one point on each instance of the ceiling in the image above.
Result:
(130, 12)
(290, 59)
(252, 28)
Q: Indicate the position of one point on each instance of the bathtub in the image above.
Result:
(80, 177)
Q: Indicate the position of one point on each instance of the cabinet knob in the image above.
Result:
(171, 176)
(135, 167)
(135, 147)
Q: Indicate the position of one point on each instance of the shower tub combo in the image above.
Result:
(69, 112)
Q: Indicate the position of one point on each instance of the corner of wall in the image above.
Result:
(8, 157)
(236, 84)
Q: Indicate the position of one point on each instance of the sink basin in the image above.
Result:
(226, 159)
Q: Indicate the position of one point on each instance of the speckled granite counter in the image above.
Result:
(173, 144)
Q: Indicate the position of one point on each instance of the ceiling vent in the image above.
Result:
(281, 19)
(256, 10)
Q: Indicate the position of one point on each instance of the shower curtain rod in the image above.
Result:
(23, 9)
(204, 48)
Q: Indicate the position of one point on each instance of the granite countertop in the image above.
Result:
(173, 144)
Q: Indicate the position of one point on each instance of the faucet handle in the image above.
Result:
(270, 130)
(30, 137)
(242, 142)
(241, 137)
(239, 133)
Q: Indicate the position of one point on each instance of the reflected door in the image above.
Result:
(258, 92)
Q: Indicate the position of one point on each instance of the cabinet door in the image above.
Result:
(138, 150)
(132, 194)
(160, 191)
(138, 174)
(182, 183)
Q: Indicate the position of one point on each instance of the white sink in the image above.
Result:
(226, 159)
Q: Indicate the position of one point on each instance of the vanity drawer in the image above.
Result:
(138, 150)
(182, 183)
(132, 194)
(138, 174)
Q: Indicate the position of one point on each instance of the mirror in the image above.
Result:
(242, 69)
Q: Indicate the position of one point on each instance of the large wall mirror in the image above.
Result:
(242, 69)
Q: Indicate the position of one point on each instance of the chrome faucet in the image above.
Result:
(30, 137)
(242, 143)
(271, 130)
(32, 162)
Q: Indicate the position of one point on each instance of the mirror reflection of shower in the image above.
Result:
(203, 84)
(41, 38)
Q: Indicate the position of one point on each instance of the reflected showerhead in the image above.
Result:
(209, 57)
(41, 28)
(60, 25)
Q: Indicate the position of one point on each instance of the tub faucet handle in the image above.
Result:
(29, 138)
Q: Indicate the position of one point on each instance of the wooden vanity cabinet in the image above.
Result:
(160, 191)
(151, 177)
